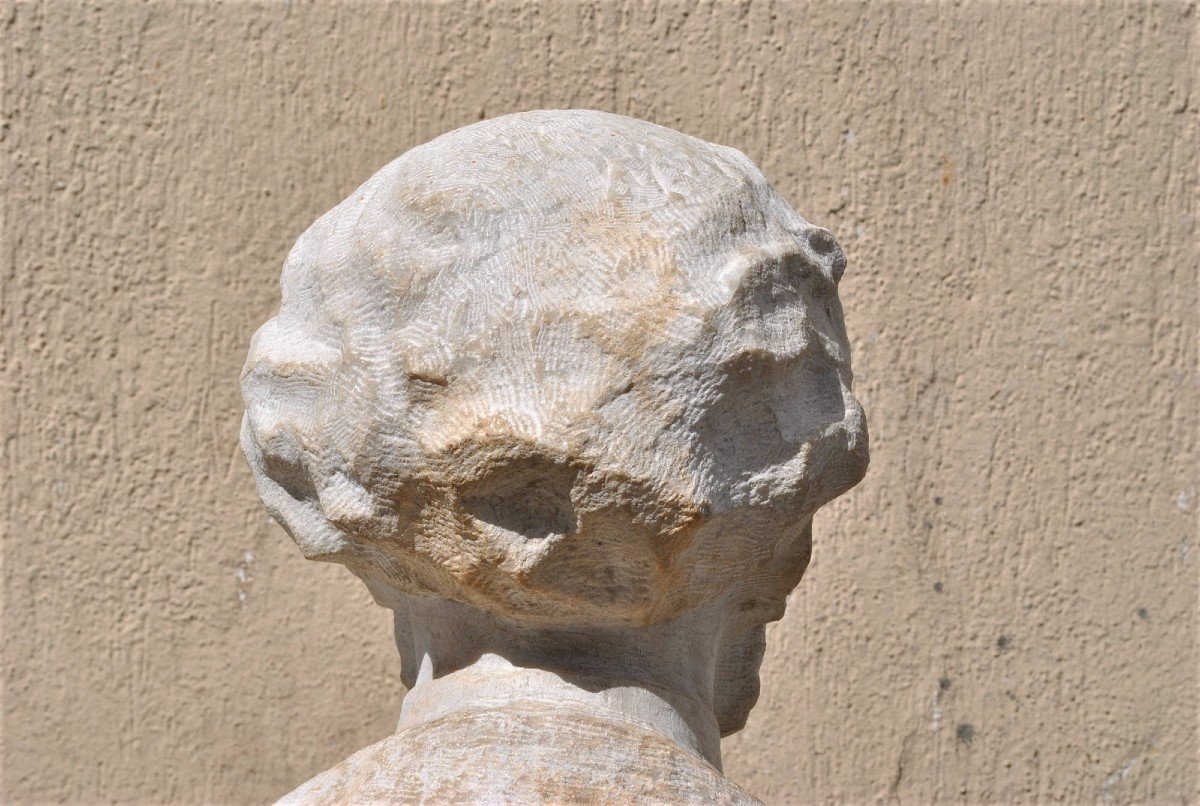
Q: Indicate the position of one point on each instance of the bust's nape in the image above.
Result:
(565, 390)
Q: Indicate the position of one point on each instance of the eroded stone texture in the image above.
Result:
(564, 389)
(557, 763)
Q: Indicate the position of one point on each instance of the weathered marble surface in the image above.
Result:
(550, 753)
(564, 389)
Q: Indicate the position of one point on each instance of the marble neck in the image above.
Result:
(458, 658)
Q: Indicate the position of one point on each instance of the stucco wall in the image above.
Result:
(1005, 610)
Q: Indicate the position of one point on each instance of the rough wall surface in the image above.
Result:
(1005, 610)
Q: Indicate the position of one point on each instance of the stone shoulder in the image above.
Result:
(537, 754)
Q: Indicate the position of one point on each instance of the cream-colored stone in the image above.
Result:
(564, 388)
(1014, 185)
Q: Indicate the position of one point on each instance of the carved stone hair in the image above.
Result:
(567, 367)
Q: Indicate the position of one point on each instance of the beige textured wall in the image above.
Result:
(1005, 610)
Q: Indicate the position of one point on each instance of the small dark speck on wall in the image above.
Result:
(1143, 614)
(965, 732)
(937, 586)
(944, 683)
(937, 499)
(1003, 643)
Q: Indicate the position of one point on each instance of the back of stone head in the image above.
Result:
(567, 367)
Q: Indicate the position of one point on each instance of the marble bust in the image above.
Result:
(564, 389)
